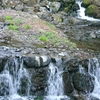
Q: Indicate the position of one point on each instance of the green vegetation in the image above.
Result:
(8, 17)
(27, 27)
(13, 27)
(55, 40)
(50, 25)
(86, 3)
(92, 10)
(43, 38)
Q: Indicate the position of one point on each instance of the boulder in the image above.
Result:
(92, 10)
(86, 3)
(69, 1)
(83, 82)
(54, 7)
(36, 62)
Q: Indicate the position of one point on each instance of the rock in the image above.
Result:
(54, 7)
(75, 7)
(36, 62)
(93, 35)
(2, 63)
(83, 82)
(92, 10)
(71, 65)
(38, 81)
(19, 7)
(73, 20)
(68, 86)
(4, 85)
(69, 1)
(86, 3)
(78, 97)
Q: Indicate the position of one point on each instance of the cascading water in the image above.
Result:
(81, 13)
(55, 87)
(94, 70)
(11, 81)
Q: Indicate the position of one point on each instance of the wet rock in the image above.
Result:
(83, 82)
(36, 62)
(4, 85)
(71, 65)
(68, 86)
(86, 3)
(39, 81)
(90, 10)
(2, 63)
(78, 97)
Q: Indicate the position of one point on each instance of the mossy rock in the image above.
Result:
(92, 10)
(69, 1)
(86, 3)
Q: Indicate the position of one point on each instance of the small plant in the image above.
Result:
(50, 25)
(43, 38)
(55, 40)
(13, 27)
(27, 27)
(8, 17)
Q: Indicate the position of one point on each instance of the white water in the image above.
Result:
(11, 78)
(81, 13)
(55, 82)
(94, 70)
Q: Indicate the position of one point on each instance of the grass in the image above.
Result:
(8, 17)
(27, 27)
(50, 25)
(55, 40)
(43, 38)
(13, 27)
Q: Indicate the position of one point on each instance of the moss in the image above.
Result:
(86, 3)
(92, 10)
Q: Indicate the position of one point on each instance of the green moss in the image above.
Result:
(86, 3)
(12, 27)
(92, 10)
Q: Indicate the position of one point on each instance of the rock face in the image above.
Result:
(73, 79)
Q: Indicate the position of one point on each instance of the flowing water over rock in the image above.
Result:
(81, 13)
(55, 89)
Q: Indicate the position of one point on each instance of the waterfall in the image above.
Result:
(94, 70)
(12, 78)
(55, 87)
(81, 13)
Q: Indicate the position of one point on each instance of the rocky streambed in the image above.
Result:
(33, 64)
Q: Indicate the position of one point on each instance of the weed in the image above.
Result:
(27, 27)
(43, 38)
(13, 27)
(8, 17)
